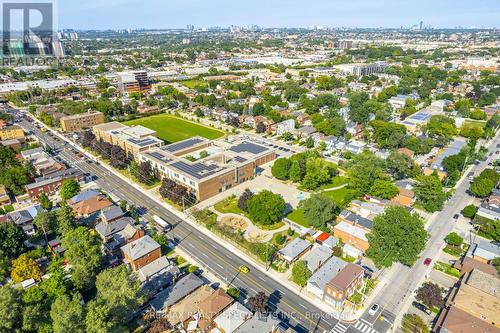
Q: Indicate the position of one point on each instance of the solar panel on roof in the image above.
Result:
(240, 159)
(249, 148)
(183, 144)
(196, 170)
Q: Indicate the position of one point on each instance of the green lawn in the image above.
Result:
(298, 217)
(341, 196)
(476, 123)
(228, 205)
(173, 129)
(336, 182)
(192, 84)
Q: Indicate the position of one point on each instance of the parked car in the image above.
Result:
(421, 307)
(373, 310)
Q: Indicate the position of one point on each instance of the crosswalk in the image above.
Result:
(339, 328)
(364, 326)
(360, 326)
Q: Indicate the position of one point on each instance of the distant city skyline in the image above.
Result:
(163, 14)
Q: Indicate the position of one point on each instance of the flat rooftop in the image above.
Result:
(185, 144)
(249, 147)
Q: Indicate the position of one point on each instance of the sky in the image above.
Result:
(158, 14)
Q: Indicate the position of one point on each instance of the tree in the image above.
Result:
(441, 126)
(486, 99)
(120, 292)
(12, 238)
(258, 302)
(397, 236)
(429, 193)
(145, 173)
(402, 166)
(481, 187)
(281, 168)
(260, 127)
(83, 251)
(383, 189)
(243, 199)
(68, 315)
(364, 169)
(69, 188)
(65, 220)
(45, 202)
(297, 171)
(300, 273)
(266, 207)
(430, 295)
(454, 239)
(24, 268)
(45, 223)
(10, 309)
(318, 172)
(469, 211)
(412, 323)
(318, 210)
(35, 318)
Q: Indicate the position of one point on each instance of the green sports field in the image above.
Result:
(173, 129)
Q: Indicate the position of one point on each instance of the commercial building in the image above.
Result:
(473, 305)
(212, 166)
(135, 81)
(11, 132)
(78, 122)
(133, 140)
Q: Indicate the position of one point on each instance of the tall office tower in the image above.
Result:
(421, 24)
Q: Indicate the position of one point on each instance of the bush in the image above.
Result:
(192, 269)
(300, 273)
(234, 292)
(280, 239)
(469, 211)
(290, 232)
(454, 239)
(8, 208)
(180, 260)
(243, 200)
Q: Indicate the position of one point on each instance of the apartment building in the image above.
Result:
(78, 122)
(133, 140)
(207, 167)
(134, 81)
(11, 132)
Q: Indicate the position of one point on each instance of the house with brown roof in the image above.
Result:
(181, 313)
(408, 152)
(90, 207)
(405, 197)
(210, 308)
(343, 285)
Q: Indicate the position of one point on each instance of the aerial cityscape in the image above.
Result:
(226, 167)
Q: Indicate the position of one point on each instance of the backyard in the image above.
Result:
(173, 129)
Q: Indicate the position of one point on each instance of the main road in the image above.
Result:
(214, 256)
(394, 297)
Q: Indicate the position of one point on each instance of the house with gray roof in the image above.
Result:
(83, 195)
(318, 280)
(24, 218)
(157, 275)
(317, 257)
(294, 250)
(484, 250)
(111, 213)
(107, 229)
(258, 324)
(141, 252)
(177, 292)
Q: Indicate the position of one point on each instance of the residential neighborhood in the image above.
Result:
(252, 179)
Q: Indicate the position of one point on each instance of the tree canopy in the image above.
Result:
(397, 236)
(266, 207)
